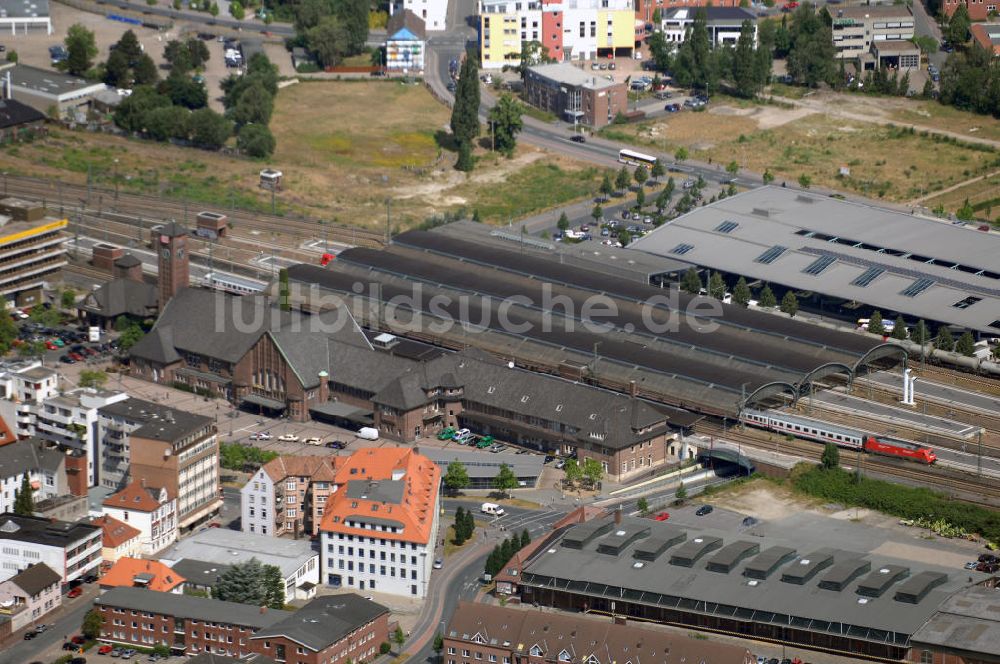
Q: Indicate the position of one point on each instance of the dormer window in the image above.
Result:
(535, 651)
(564, 656)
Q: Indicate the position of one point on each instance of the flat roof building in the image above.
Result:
(851, 252)
(965, 628)
(32, 247)
(798, 592)
(72, 549)
(24, 16)
(44, 88)
(724, 24)
(575, 95)
(857, 29)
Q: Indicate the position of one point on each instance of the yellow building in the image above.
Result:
(32, 250)
(500, 39)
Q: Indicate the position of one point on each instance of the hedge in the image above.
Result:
(903, 501)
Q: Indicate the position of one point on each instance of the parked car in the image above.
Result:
(75, 592)
(288, 438)
(662, 516)
(29, 635)
(90, 578)
(313, 440)
(971, 565)
(78, 660)
(704, 509)
(438, 563)
(578, 138)
(750, 521)
(104, 650)
(335, 445)
(66, 359)
(69, 645)
(446, 433)
(79, 639)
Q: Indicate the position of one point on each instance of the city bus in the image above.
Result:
(636, 158)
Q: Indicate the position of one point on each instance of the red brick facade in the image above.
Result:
(192, 636)
(361, 645)
(644, 8)
(979, 10)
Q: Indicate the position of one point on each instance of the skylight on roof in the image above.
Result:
(820, 264)
(727, 227)
(771, 254)
(682, 249)
(868, 276)
(917, 287)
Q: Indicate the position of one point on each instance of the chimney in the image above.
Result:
(618, 516)
(633, 391)
(620, 620)
(263, 610)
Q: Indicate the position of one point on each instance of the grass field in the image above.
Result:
(344, 147)
(949, 118)
(983, 195)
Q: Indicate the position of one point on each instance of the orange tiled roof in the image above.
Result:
(123, 574)
(114, 532)
(6, 434)
(420, 476)
(319, 468)
(134, 497)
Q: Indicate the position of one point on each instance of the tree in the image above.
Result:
(161, 650)
(328, 41)
(663, 200)
(624, 237)
(249, 583)
(966, 212)
(354, 16)
(957, 30)
(144, 71)
(811, 53)
(254, 106)
(805, 181)
(209, 130)
(131, 112)
(563, 223)
(459, 526)
(658, 171)
(691, 282)
(681, 154)
(465, 160)
(166, 122)
(255, 140)
(117, 72)
(944, 339)
(767, 298)
(640, 175)
(716, 286)
(67, 299)
(505, 480)
(178, 56)
(465, 112)
(875, 325)
(468, 524)
(593, 471)
(213, 9)
(622, 180)
(506, 551)
(741, 292)
(81, 49)
(525, 539)
(456, 478)
(606, 188)
(130, 337)
(533, 53)
(493, 563)
(505, 119)
(696, 65)
(273, 587)
(659, 49)
(572, 471)
(899, 329)
(129, 46)
(748, 70)
(24, 501)
(640, 199)
(642, 505)
(790, 303)
(8, 332)
(185, 91)
(920, 333)
(398, 637)
(830, 458)
(236, 10)
(681, 494)
(92, 623)
(966, 344)
(438, 644)
(90, 378)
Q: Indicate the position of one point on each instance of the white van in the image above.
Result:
(368, 433)
(492, 508)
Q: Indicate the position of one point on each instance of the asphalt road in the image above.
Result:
(68, 624)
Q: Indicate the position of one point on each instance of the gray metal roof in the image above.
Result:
(587, 570)
(918, 267)
(24, 8)
(228, 547)
(325, 620)
(479, 464)
(568, 74)
(30, 454)
(199, 572)
(380, 491)
(188, 606)
(50, 83)
(967, 621)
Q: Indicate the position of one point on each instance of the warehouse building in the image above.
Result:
(841, 258)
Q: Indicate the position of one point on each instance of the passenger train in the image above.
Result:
(233, 284)
(825, 432)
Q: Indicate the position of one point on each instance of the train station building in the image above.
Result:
(842, 259)
(750, 584)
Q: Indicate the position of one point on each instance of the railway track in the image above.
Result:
(71, 197)
(955, 483)
(958, 379)
(885, 395)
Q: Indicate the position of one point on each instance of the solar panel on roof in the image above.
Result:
(868, 276)
(917, 287)
(682, 249)
(727, 227)
(771, 254)
(820, 264)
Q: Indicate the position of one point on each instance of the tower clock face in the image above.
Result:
(166, 253)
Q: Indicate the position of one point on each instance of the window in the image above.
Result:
(682, 249)
(926, 657)
(771, 255)
(917, 287)
(451, 650)
(868, 276)
(727, 227)
(818, 265)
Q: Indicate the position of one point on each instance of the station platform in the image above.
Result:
(939, 393)
(899, 415)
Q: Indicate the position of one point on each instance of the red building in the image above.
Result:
(979, 10)
(644, 8)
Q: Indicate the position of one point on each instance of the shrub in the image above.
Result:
(384, 648)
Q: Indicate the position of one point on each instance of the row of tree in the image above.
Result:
(249, 102)
(502, 553)
(456, 478)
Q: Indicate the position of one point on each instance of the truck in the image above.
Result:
(368, 433)
(492, 508)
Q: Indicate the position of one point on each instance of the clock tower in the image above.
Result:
(171, 248)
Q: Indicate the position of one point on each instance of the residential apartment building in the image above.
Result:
(296, 559)
(73, 550)
(979, 10)
(116, 422)
(381, 523)
(328, 630)
(856, 29)
(405, 43)
(569, 30)
(193, 625)
(32, 250)
(498, 635)
(30, 595)
(118, 539)
(25, 387)
(434, 13)
(724, 24)
(151, 510)
(71, 421)
(180, 454)
(288, 495)
(644, 8)
(574, 94)
(44, 465)
(150, 575)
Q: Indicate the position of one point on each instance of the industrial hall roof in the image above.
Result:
(804, 585)
(897, 262)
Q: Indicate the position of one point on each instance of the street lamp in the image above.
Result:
(116, 180)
